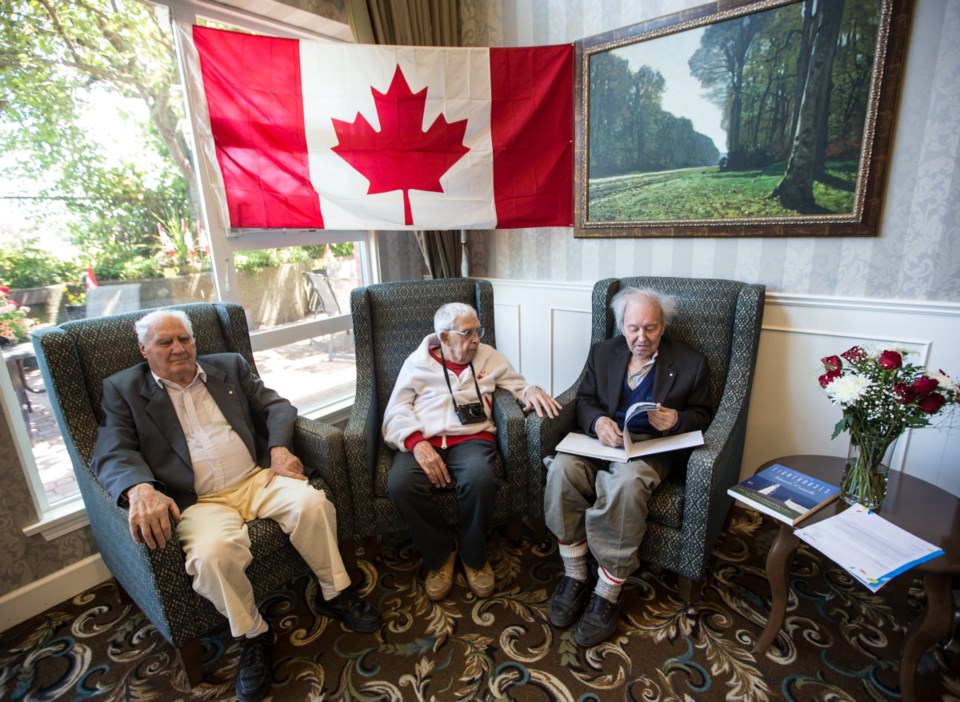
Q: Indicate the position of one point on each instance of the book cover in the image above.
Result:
(784, 493)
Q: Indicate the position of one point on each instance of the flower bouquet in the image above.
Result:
(14, 323)
(881, 395)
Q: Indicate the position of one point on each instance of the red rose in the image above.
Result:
(932, 403)
(4, 289)
(828, 378)
(890, 360)
(854, 354)
(904, 393)
(831, 363)
(925, 385)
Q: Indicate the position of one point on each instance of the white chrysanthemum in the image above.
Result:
(945, 381)
(848, 389)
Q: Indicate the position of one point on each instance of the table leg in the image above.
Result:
(778, 564)
(930, 627)
(900, 591)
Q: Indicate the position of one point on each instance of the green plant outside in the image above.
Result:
(258, 259)
(29, 266)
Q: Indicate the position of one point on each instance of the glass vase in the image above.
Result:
(868, 462)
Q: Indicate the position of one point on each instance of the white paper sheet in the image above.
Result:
(867, 546)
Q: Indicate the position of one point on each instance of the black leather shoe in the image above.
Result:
(255, 669)
(599, 621)
(356, 613)
(568, 601)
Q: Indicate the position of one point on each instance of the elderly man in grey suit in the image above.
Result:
(602, 507)
(200, 445)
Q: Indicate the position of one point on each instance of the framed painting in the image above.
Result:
(740, 118)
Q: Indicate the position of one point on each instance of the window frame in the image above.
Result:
(67, 515)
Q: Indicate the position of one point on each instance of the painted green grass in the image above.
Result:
(706, 193)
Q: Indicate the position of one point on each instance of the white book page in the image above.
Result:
(584, 445)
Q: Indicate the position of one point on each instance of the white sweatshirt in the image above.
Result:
(421, 401)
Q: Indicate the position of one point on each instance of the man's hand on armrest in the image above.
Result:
(536, 398)
(152, 515)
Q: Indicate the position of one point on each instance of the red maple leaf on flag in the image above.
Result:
(401, 156)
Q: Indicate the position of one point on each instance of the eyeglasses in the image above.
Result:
(469, 332)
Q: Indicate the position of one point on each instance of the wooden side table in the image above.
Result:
(915, 505)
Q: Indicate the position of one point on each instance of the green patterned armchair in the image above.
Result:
(721, 319)
(74, 358)
(389, 322)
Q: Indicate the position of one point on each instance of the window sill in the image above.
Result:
(335, 413)
(63, 518)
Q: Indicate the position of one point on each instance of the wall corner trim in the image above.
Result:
(20, 605)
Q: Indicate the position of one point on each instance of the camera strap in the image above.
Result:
(443, 362)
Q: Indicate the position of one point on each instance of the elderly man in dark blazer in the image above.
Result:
(200, 445)
(601, 507)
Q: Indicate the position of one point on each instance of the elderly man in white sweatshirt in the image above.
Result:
(439, 419)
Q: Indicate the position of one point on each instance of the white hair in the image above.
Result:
(623, 298)
(143, 324)
(447, 314)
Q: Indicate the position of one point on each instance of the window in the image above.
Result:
(129, 215)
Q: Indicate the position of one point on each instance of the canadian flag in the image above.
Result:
(336, 136)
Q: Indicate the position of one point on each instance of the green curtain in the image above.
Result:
(414, 23)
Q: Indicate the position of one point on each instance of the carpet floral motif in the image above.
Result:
(839, 641)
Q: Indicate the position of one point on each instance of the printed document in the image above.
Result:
(867, 546)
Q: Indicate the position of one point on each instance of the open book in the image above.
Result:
(584, 445)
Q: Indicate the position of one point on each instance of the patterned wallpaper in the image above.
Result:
(917, 254)
(26, 559)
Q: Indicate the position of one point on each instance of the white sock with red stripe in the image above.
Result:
(608, 587)
(574, 558)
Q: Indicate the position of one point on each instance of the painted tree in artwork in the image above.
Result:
(795, 191)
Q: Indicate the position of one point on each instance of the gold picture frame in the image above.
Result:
(799, 157)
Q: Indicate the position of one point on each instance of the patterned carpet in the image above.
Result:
(839, 641)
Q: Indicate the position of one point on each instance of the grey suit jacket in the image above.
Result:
(141, 440)
(681, 382)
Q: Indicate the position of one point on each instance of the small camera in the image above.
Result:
(472, 413)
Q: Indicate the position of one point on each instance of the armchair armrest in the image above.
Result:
(509, 418)
(512, 441)
(711, 469)
(543, 435)
(320, 447)
(139, 569)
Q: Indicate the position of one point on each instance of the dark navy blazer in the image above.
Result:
(681, 382)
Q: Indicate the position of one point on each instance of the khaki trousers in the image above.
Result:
(604, 503)
(216, 544)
